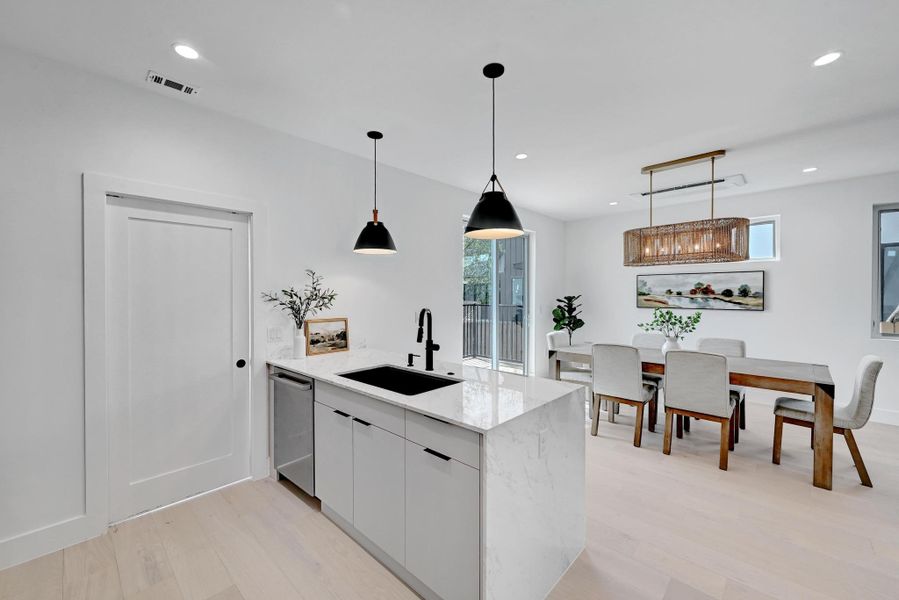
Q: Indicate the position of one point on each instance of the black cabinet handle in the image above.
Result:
(361, 422)
(437, 454)
(341, 413)
(241, 363)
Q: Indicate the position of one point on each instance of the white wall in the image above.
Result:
(56, 123)
(818, 296)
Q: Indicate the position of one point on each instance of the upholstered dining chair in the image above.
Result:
(617, 378)
(854, 415)
(573, 372)
(731, 348)
(697, 385)
(655, 342)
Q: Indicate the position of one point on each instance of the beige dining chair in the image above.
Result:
(572, 372)
(854, 415)
(617, 378)
(731, 348)
(697, 385)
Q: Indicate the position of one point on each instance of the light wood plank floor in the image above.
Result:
(659, 527)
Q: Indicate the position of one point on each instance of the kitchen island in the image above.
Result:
(473, 490)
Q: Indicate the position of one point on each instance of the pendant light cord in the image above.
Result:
(493, 133)
(376, 176)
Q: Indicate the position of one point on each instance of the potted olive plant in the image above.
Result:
(301, 305)
(672, 326)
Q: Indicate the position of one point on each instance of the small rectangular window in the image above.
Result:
(886, 263)
(764, 237)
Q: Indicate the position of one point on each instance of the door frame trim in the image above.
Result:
(94, 520)
(96, 188)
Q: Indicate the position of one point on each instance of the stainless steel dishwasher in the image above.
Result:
(294, 447)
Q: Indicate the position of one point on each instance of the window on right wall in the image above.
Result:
(764, 238)
(886, 270)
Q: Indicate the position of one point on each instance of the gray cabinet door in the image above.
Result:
(334, 460)
(442, 523)
(379, 487)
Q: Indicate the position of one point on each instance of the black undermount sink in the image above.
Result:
(401, 381)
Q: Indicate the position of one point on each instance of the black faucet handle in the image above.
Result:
(411, 356)
(435, 347)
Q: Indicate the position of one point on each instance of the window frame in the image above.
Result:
(774, 219)
(877, 274)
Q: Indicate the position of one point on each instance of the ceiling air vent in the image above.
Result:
(154, 77)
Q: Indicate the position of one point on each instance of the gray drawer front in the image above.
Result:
(384, 415)
(454, 441)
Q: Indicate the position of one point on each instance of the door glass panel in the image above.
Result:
(495, 330)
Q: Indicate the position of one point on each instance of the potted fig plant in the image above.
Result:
(302, 305)
(566, 315)
(672, 326)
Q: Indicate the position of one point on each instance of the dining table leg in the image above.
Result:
(823, 470)
(555, 367)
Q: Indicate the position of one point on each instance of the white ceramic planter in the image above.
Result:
(299, 345)
(670, 344)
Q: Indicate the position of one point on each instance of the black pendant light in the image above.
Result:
(375, 239)
(493, 217)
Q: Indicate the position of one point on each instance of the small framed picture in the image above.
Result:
(324, 336)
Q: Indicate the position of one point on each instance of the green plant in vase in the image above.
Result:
(565, 315)
(672, 326)
(301, 305)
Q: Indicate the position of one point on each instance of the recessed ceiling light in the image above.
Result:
(521, 156)
(809, 169)
(826, 59)
(186, 51)
(613, 204)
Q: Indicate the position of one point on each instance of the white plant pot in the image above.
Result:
(670, 344)
(299, 345)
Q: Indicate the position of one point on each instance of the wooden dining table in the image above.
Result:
(779, 375)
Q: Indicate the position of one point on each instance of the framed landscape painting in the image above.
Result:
(732, 290)
(324, 336)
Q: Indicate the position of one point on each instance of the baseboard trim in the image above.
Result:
(36, 543)
(885, 415)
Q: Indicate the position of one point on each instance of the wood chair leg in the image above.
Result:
(857, 458)
(595, 425)
(680, 427)
(743, 412)
(778, 439)
(725, 442)
(638, 425)
(731, 426)
(666, 439)
(653, 413)
(687, 424)
(613, 408)
(737, 423)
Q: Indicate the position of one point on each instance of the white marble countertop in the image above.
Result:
(483, 401)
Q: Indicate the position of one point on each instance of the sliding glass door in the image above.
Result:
(494, 303)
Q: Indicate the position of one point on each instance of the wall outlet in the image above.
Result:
(274, 334)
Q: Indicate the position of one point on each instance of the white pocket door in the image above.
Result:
(178, 343)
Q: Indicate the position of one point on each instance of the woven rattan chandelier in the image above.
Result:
(712, 240)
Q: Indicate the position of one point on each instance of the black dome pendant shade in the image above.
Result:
(493, 217)
(375, 239)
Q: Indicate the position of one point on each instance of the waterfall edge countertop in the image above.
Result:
(484, 400)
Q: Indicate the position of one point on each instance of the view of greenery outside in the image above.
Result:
(476, 267)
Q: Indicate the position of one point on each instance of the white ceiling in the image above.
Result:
(593, 89)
